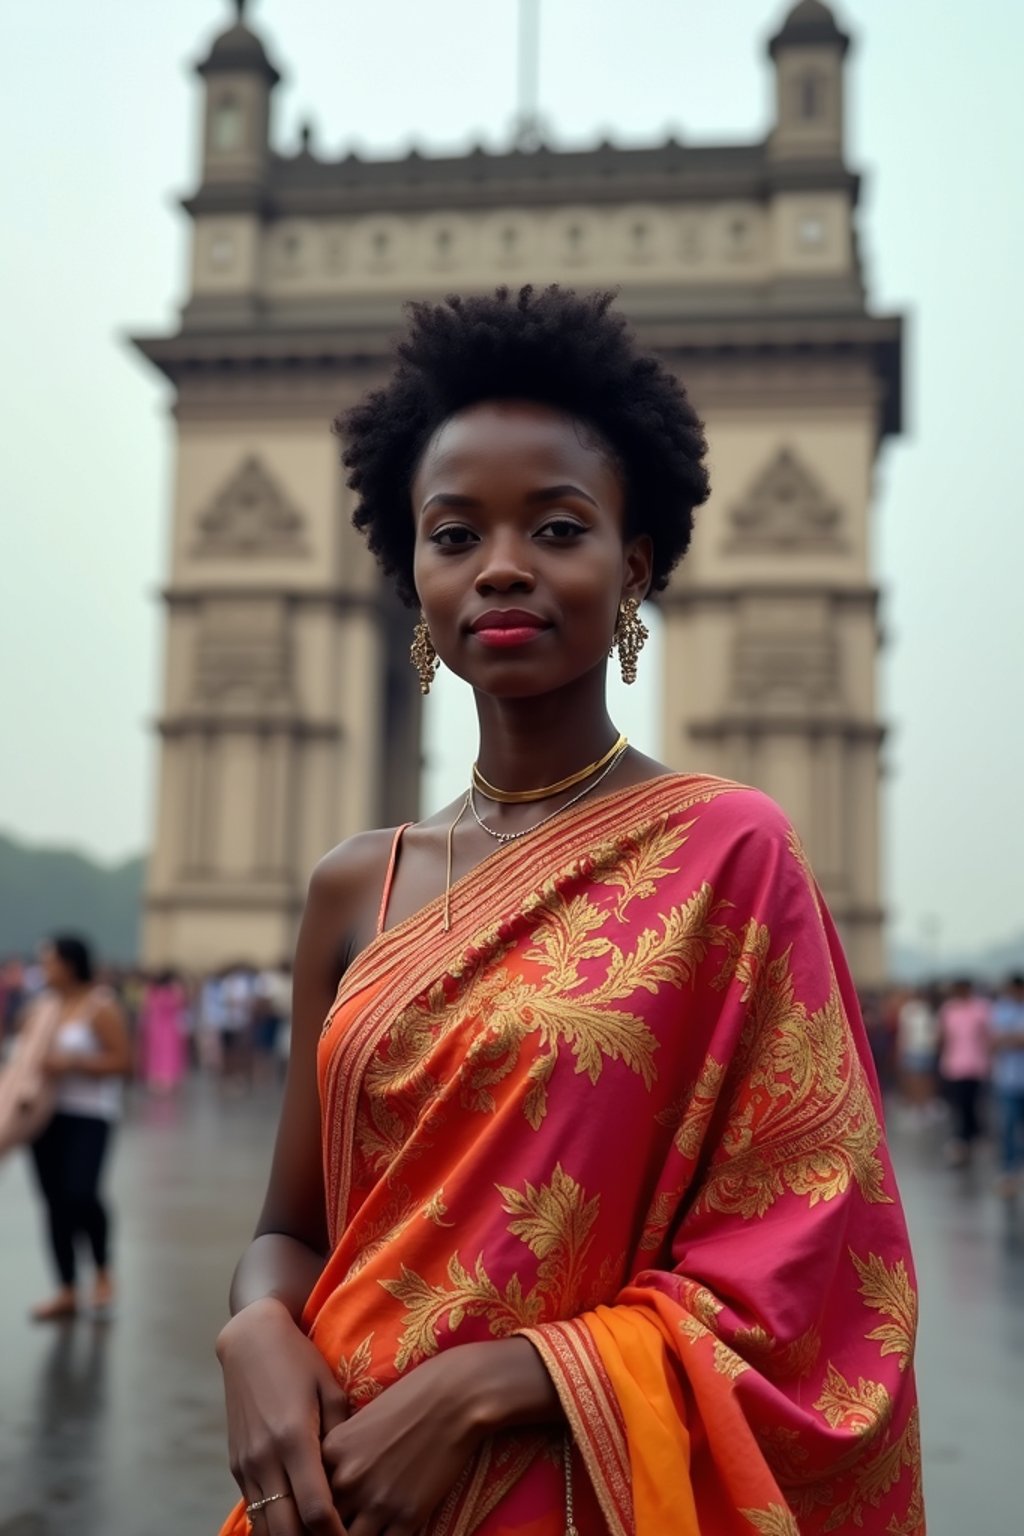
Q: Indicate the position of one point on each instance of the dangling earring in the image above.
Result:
(423, 656)
(630, 634)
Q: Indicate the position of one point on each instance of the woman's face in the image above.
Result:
(520, 561)
(55, 972)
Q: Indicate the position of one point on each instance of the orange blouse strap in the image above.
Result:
(389, 878)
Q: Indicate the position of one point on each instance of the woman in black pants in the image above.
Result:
(89, 1059)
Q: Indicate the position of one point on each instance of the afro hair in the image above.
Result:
(554, 347)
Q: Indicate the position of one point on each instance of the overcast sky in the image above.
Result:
(99, 138)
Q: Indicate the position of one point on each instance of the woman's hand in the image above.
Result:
(281, 1400)
(392, 1463)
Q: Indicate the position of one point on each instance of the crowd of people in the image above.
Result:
(955, 1055)
(233, 1022)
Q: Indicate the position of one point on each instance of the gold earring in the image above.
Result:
(423, 656)
(630, 634)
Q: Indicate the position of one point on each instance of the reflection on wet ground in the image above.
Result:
(116, 1429)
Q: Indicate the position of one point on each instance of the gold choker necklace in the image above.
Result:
(525, 796)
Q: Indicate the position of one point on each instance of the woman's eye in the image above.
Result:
(453, 537)
(562, 528)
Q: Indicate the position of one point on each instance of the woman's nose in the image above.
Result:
(505, 567)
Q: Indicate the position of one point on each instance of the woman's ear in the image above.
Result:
(639, 567)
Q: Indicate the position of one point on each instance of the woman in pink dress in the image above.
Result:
(964, 1035)
(163, 1033)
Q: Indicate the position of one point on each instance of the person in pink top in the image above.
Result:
(163, 1033)
(964, 1056)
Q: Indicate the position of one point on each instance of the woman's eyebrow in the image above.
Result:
(545, 493)
(553, 492)
(449, 499)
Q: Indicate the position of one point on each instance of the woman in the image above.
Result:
(917, 1034)
(163, 1025)
(89, 1058)
(964, 1058)
(580, 1215)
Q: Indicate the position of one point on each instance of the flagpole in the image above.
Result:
(528, 124)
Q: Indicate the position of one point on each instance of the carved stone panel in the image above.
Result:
(786, 509)
(786, 656)
(243, 658)
(250, 515)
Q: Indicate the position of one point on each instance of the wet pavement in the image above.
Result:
(116, 1429)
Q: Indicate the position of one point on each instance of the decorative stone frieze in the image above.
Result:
(250, 516)
(786, 509)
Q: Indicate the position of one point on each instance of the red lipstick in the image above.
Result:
(504, 628)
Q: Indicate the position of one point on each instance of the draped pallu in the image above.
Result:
(626, 1108)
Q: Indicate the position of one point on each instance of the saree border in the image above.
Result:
(575, 1366)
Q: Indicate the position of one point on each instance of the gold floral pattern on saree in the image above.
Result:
(788, 1363)
(886, 1288)
(354, 1374)
(436, 1210)
(868, 1470)
(551, 998)
(776, 1520)
(556, 1224)
(696, 1109)
(701, 1323)
(755, 1343)
(912, 1522)
(663, 1211)
(639, 864)
(803, 863)
(554, 1221)
(747, 1347)
(864, 1409)
(877, 1476)
(785, 1453)
(690, 1114)
(802, 1119)
(799, 1358)
(380, 1231)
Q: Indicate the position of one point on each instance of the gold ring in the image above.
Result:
(258, 1504)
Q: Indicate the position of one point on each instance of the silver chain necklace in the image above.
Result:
(511, 837)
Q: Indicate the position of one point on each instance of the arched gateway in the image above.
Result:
(290, 712)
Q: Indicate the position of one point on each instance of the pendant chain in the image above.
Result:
(447, 922)
(570, 1512)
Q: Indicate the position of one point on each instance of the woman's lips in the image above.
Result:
(505, 628)
(505, 638)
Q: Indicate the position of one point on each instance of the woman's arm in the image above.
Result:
(282, 1396)
(289, 1248)
(290, 1244)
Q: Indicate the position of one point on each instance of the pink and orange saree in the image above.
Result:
(625, 1107)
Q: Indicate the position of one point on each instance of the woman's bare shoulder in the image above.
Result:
(347, 871)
